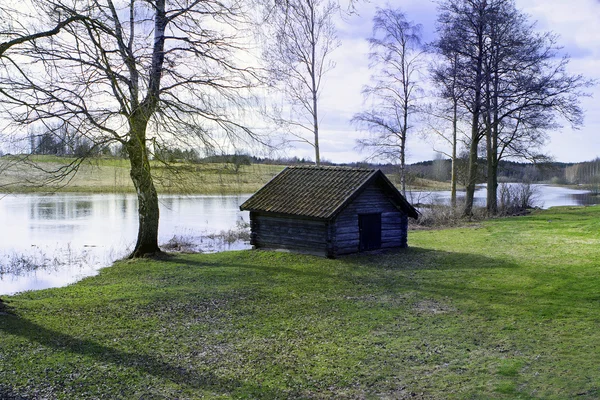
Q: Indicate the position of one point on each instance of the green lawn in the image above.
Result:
(508, 309)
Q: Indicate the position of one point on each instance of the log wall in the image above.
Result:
(288, 232)
(394, 223)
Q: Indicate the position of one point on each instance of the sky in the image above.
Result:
(577, 22)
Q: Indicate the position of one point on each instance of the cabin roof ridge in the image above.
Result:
(332, 167)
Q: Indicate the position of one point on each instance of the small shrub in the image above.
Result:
(517, 198)
(179, 243)
(440, 215)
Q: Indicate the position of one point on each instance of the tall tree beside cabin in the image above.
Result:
(512, 82)
(138, 74)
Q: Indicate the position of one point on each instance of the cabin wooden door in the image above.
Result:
(369, 228)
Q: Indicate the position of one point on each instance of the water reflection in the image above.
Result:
(546, 196)
(54, 240)
(58, 209)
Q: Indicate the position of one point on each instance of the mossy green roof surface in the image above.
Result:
(318, 192)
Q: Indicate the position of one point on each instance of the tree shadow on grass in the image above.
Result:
(417, 258)
(376, 264)
(144, 363)
(483, 280)
(413, 269)
(8, 394)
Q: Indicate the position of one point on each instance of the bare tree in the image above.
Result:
(462, 28)
(514, 86)
(445, 77)
(135, 73)
(396, 58)
(527, 89)
(13, 34)
(301, 37)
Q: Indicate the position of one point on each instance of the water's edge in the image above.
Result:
(52, 240)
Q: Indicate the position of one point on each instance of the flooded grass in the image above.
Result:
(20, 264)
(51, 235)
(209, 242)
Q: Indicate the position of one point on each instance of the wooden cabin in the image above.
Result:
(329, 211)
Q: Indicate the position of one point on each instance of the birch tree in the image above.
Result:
(301, 37)
(445, 77)
(395, 58)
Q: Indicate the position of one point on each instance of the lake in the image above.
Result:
(57, 239)
(53, 240)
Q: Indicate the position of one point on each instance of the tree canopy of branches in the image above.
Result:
(134, 73)
(396, 57)
(300, 40)
(13, 33)
(512, 82)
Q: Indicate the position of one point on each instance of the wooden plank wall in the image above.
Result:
(285, 232)
(394, 224)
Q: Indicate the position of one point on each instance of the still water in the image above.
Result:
(545, 196)
(53, 240)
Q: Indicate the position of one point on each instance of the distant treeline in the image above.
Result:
(588, 172)
(508, 171)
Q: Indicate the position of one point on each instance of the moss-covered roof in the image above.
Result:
(318, 192)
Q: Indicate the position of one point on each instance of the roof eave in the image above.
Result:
(285, 214)
(410, 210)
(260, 190)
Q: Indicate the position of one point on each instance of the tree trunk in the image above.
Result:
(473, 150)
(453, 172)
(492, 155)
(475, 136)
(314, 85)
(492, 188)
(316, 129)
(492, 167)
(148, 213)
(471, 176)
(491, 197)
(403, 163)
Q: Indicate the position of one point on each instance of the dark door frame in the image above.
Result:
(369, 231)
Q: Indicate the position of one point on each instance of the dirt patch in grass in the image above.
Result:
(433, 307)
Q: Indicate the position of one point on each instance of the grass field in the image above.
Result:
(507, 309)
(111, 175)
